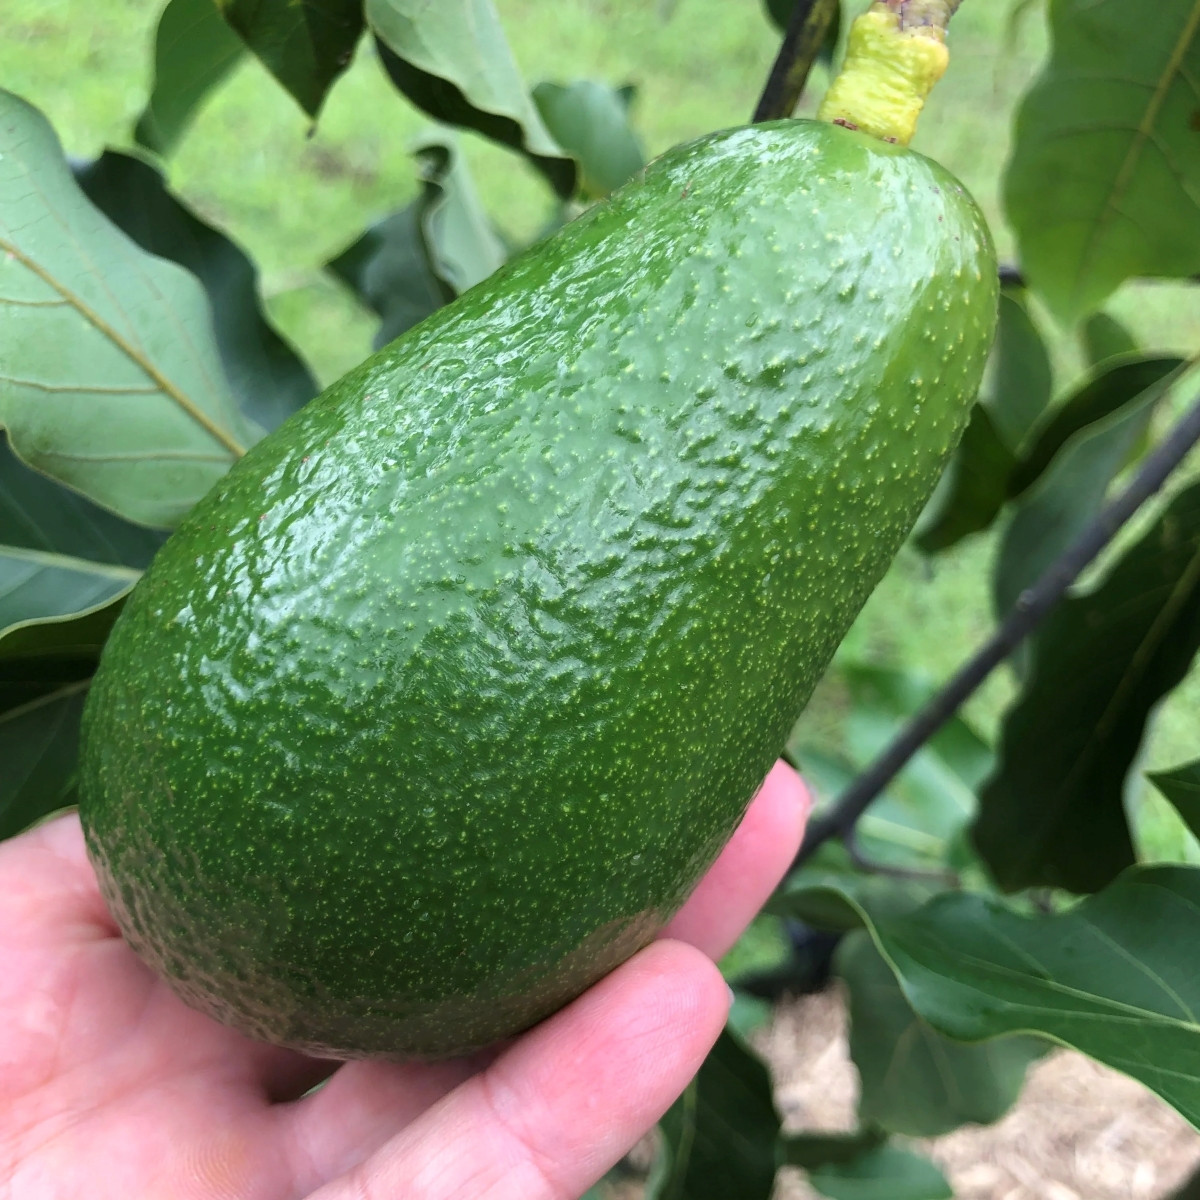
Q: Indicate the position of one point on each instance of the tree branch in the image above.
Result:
(1031, 607)
(802, 42)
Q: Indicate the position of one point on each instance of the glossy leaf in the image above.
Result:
(1052, 814)
(1022, 379)
(1055, 510)
(1104, 180)
(419, 258)
(451, 59)
(721, 1137)
(1106, 977)
(194, 50)
(974, 489)
(1181, 785)
(1107, 389)
(306, 46)
(591, 122)
(109, 375)
(39, 746)
(886, 1173)
(914, 1080)
(265, 374)
(1105, 338)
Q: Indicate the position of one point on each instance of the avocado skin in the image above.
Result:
(436, 708)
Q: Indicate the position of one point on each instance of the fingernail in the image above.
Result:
(732, 995)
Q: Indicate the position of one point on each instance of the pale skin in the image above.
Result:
(111, 1088)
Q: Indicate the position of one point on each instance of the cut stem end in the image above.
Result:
(890, 68)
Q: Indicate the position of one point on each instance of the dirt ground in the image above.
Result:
(1079, 1131)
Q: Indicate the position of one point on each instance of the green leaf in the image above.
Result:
(721, 1137)
(66, 566)
(1181, 785)
(109, 375)
(306, 46)
(1104, 180)
(419, 258)
(1104, 337)
(451, 59)
(887, 1173)
(829, 892)
(914, 1080)
(194, 49)
(1107, 419)
(974, 489)
(1106, 977)
(1107, 389)
(265, 374)
(1022, 378)
(1052, 814)
(39, 746)
(591, 122)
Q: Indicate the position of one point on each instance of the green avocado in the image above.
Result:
(436, 708)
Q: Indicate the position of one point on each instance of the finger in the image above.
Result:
(749, 868)
(50, 892)
(357, 1111)
(555, 1111)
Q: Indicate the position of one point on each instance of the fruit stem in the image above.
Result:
(895, 55)
(802, 42)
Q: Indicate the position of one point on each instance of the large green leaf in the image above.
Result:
(1181, 785)
(109, 375)
(421, 257)
(1108, 388)
(306, 45)
(266, 375)
(1082, 448)
(721, 1137)
(61, 556)
(886, 1173)
(194, 49)
(974, 489)
(1053, 814)
(1022, 378)
(1110, 977)
(591, 122)
(1104, 181)
(915, 1081)
(1105, 338)
(978, 481)
(39, 745)
(452, 60)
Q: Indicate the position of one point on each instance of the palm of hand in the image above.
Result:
(111, 1087)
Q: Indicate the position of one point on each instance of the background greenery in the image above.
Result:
(294, 196)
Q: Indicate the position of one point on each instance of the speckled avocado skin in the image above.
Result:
(440, 703)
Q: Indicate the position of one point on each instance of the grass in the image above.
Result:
(294, 196)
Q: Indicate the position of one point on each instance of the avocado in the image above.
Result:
(436, 708)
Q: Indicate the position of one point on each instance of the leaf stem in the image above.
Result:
(802, 42)
(1031, 608)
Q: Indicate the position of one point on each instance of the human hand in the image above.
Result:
(110, 1087)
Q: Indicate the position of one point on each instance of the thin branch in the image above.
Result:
(1032, 606)
(802, 42)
